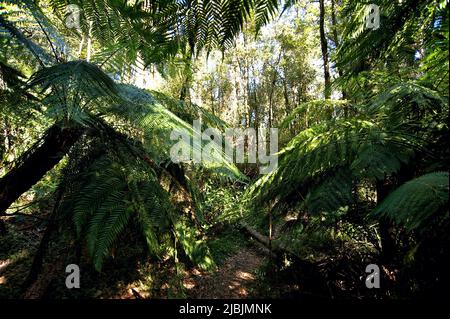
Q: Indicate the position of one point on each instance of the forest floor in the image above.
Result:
(238, 274)
(234, 279)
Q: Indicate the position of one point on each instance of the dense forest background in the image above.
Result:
(90, 91)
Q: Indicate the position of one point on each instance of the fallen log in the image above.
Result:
(259, 237)
(274, 246)
(311, 276)
(276, 249)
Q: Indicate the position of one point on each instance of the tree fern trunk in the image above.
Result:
(37, 161)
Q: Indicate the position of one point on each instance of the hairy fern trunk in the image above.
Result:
(37, 161)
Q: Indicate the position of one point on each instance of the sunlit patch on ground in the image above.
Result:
(245, 275)
(4, 264)
(232, 280)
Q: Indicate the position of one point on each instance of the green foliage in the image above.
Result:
(347, 168)
(112, 192)
(159, 30)
(115, 192)
(326, 146)
(75, 91)
(333, 193)
(190, 111)
(111, 195)
(38, 52)
(195, 248)
(323, 109)
(406, 100)
(226, 242)
(403, 28)
(323, 165)
(417, 201)
(151, 119)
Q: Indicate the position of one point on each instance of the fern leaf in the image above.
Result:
(414, 203)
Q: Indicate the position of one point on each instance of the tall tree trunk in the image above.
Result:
(324, 47)
(37, 161)
(255, 108)
(184, 92)
(334, 23)
(287, 106)
(80, 46)
(336, 43)
(212, 99)
(272, 87)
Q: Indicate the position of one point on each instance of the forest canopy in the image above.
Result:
(344, 102)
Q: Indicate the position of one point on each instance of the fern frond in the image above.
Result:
(149, 114)
(323, 147)
(333, 193)
(75, 91)
(414, 203)
(113, 194)
(195, 248)
(39, 53)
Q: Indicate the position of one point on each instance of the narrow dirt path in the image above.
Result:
(232, 280)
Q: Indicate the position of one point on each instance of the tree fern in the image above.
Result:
(333, 192)
(328, 145)
(148, 113)
(167, 25)
(75, 91)
(414, 203)
(112, 196)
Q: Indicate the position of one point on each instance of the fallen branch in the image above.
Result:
(310, 271)
(276, 249)
(136, 294)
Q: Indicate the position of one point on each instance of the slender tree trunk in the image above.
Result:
(212, 100)
(248, 93)
(287, 106)
(272, 87)
(336, 43)
(255, 107)
(184, 93)
(334, 23)
(324, 47)
(37, 161)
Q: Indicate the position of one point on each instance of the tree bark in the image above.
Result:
(336, 43)
(273, 246)
(334, 23)
(324, 47)
(272, 87)
(37, 161)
